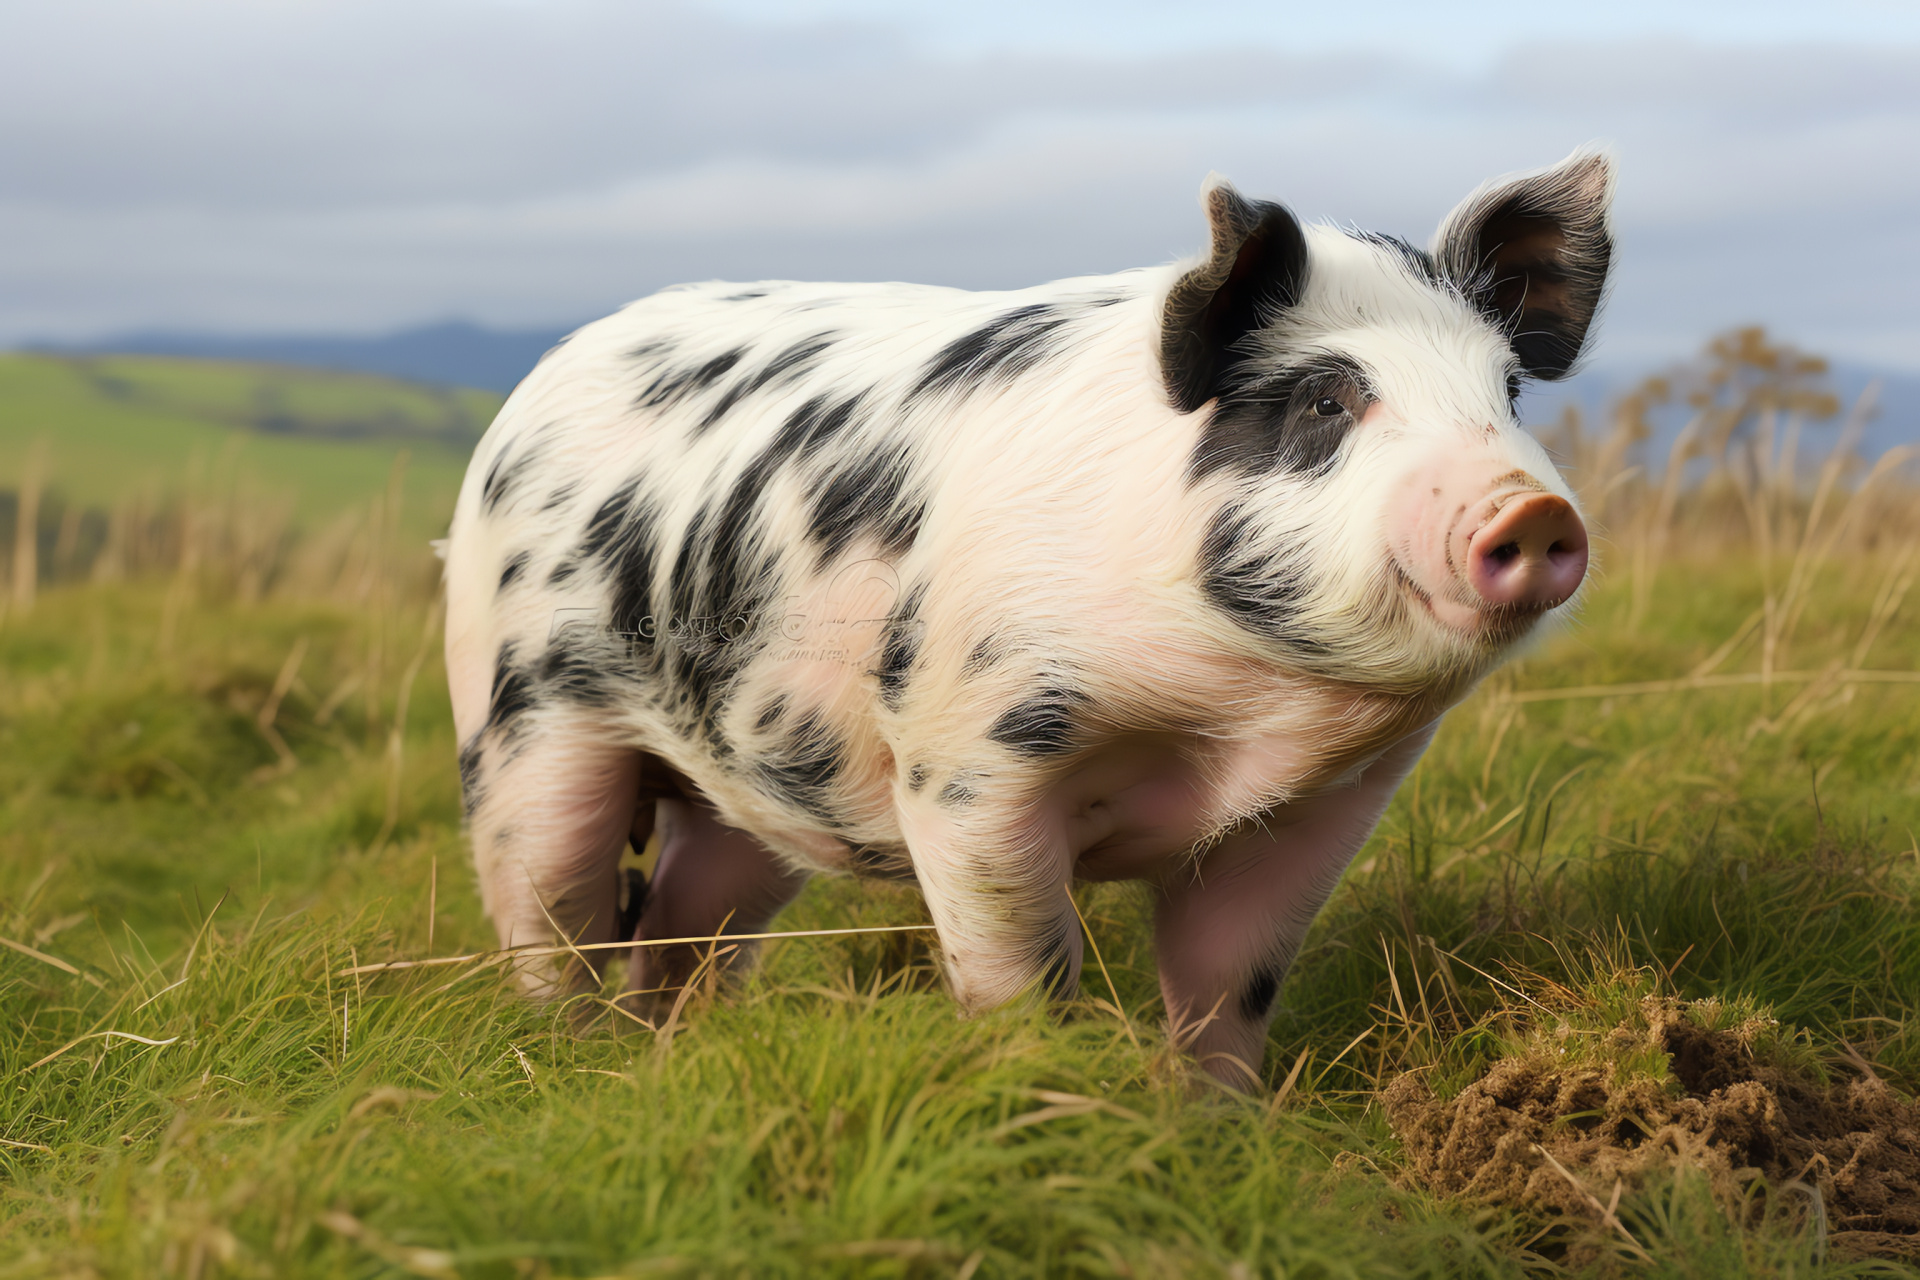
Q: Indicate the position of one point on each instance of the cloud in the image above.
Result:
(347, 165)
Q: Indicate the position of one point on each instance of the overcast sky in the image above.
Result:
(354, 166)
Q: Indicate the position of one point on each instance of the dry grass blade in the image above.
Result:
(1062, 1105)
(1744, 679)
(270, 711)
(532, 949)
(1609, 1216)
(1112, 991)
(44, 958)
(568, 945)
(1285, 1090)
(396, 734)
(419, 1262)
(1712, 661)
(99, 1035)
(1351, 1046)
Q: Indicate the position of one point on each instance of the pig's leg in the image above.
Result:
(996, 887)
(711, 879)
(550, 809)
(1227, 929)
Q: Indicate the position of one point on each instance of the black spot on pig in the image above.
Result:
(513, 692)
(1293, 420)
(810, 427)
(561, 496)
(792, 363)
(802, 770)
(1263, 592)
(866, 496)
(1000, 350)
(507, 471)
(987, 651)
(515, 566)
(472, 761)
(917, 777)
(1256, 997)
(1057, 977)
(649, 353)
(577, 667)
(900, 648)
(621, 539)
(1043, 725)
(959, 791)
(719, 592)
(673, 385)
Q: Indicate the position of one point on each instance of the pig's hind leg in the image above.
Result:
(1227, 928)
(550, 804)
(711, 880)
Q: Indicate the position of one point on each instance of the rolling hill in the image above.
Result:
(321, 441)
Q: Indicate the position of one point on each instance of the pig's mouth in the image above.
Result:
(1492, 625)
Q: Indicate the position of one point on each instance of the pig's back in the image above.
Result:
(707, 451)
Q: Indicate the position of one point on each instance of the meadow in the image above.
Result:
(1657, 882)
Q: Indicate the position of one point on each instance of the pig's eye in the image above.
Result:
(1328, 407)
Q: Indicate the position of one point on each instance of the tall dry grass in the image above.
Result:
(217, 540)
(1759, 463)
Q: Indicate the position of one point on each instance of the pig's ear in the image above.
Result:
(1257, 269)
(1532, 253)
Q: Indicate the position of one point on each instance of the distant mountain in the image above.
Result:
(451, 354)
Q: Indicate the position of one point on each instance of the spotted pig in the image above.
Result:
(1163, 576)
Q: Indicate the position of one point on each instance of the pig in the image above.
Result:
(1163, 576)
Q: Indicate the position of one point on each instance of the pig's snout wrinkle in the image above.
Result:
(1532, 555)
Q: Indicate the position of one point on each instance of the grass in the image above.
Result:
(193, 1088)
(316, 442)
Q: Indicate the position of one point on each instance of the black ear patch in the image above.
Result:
(1258, 267)
(1532, 253)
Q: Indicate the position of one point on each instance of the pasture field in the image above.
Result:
(1672, 851)
(306, 443)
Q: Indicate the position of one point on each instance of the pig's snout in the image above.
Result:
(1531, 555)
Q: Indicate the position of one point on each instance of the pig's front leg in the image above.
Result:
(995, 881)
(1228, 927)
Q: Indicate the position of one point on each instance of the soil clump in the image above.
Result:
(1556, 1128)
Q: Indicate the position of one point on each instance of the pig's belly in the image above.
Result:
(1132, 810)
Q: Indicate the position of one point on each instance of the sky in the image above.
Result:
(358, 166)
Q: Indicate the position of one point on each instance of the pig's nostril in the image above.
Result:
(1532, 554)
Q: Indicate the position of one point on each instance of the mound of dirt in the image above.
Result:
(1607, 1115)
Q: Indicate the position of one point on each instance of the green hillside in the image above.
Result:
(318, 440)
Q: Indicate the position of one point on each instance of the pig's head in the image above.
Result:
(1378, 513)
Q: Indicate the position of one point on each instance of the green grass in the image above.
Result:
(318, 442)
(835, 1116)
